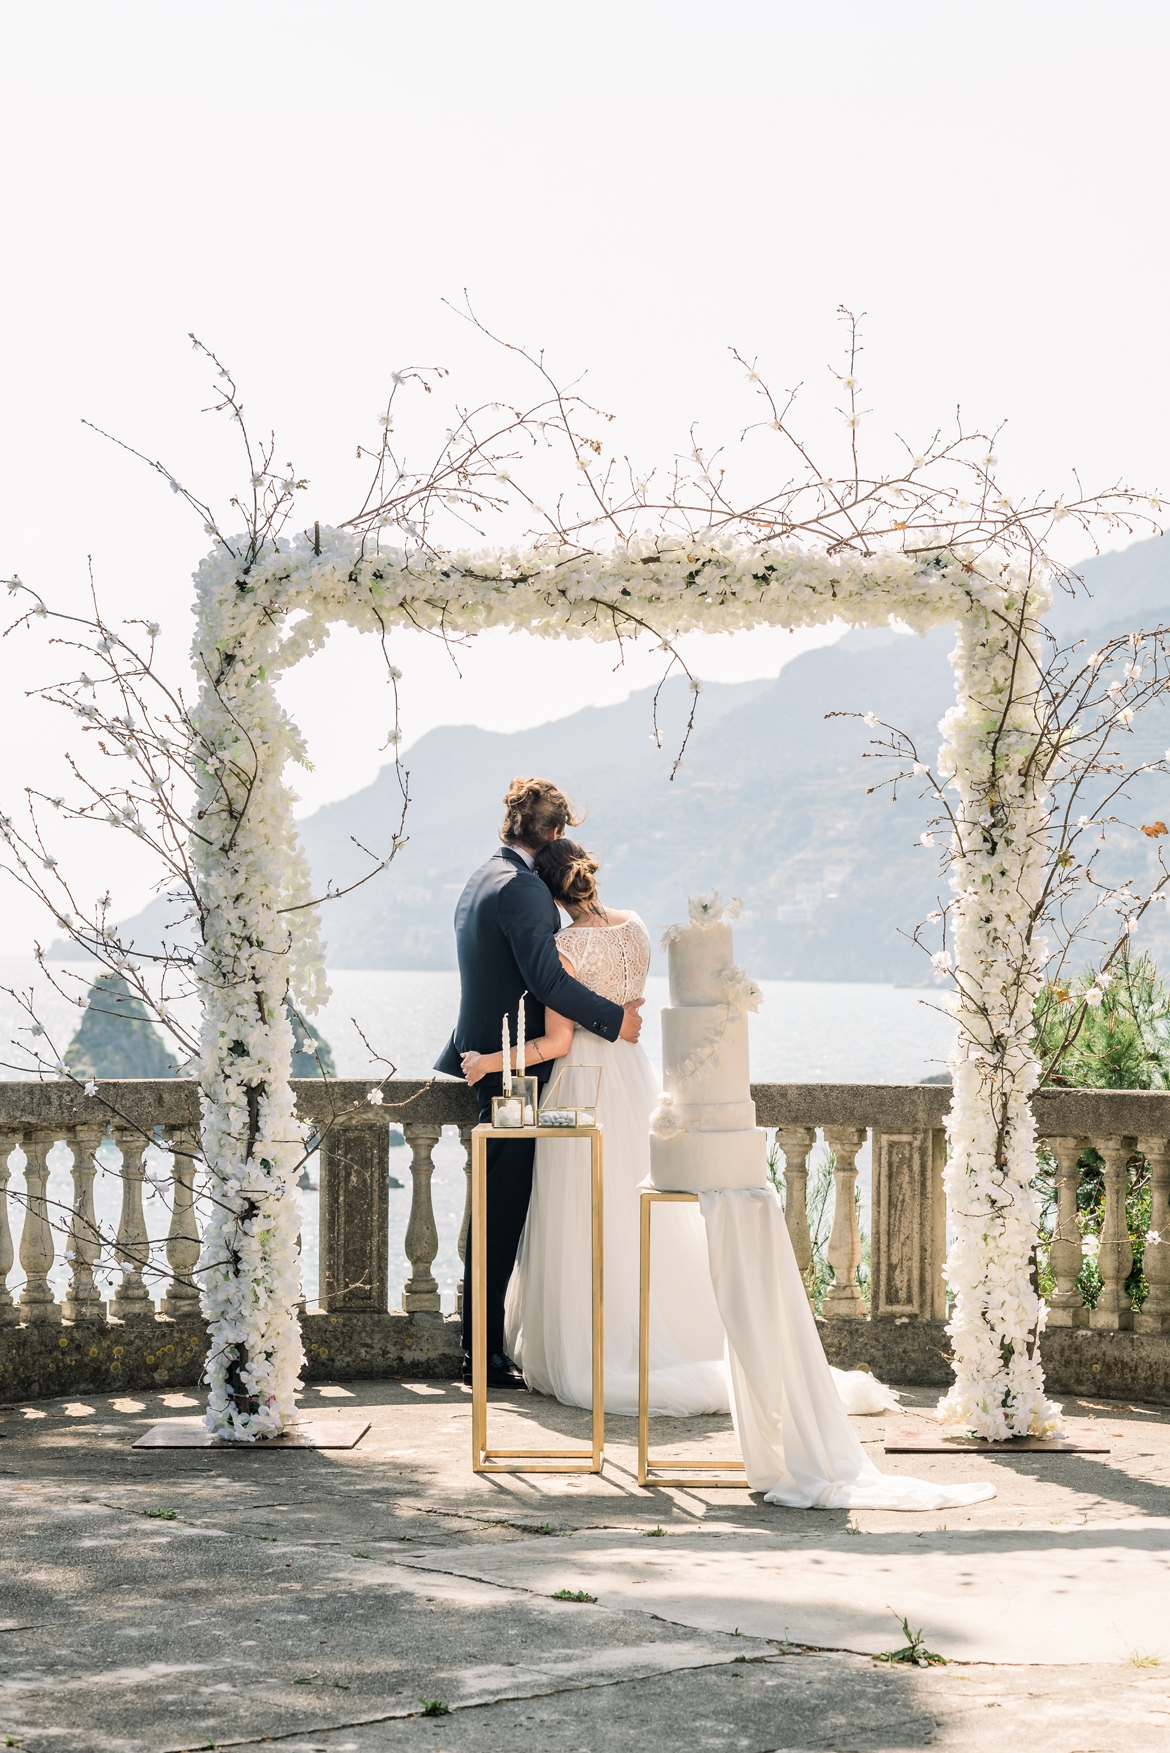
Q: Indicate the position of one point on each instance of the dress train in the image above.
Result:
(798, 1446)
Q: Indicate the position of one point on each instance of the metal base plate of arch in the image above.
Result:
(308, 1433)
(914, 1439)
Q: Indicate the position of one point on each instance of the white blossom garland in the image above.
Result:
(673, 587)
(997, 875)
(254, 624)
(249, 865)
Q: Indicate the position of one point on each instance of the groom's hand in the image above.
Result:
(632, 1022)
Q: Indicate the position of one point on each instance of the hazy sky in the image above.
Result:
(632, 186)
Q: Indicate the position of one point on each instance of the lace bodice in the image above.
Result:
(612, 960)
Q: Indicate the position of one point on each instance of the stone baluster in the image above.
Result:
(908, 1237)
(9, 1313)
(132, 1299)
(182, 1297)
(1154, 1314)
(355, 1195)
(1066, 1307)
(37, 1306)
(843, 1296)
(796, 1142)
(465, 1221)
(421, 1290)
(1115, 1254)
(84, 1300)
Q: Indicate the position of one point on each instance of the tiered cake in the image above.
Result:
(704, 1134)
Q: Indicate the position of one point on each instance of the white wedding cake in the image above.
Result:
(704, 1134)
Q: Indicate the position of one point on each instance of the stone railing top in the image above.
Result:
(57, 1107)
(913, 1107)
(1098, 1113)
(173, 1102)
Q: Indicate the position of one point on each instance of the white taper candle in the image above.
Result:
(520, 1037)
(507, 1049)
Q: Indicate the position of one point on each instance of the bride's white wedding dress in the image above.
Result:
(548, 1308)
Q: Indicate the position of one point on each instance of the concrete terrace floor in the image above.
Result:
(315, 1599)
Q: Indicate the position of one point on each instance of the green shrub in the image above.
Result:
(1122, 1043)
(819, 1206)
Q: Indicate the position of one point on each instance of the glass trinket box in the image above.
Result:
(571, 1098)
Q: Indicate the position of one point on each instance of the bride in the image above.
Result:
(547, 1317)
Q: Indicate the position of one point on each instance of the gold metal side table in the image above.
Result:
(666, 1472)
(484, 1459)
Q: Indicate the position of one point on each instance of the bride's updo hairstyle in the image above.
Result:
(569, 873)
(535, 810)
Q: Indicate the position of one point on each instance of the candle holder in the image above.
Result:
(510, 1113)
(571, 1098)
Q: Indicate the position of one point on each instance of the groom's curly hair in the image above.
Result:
(535, 810)
(569, 873)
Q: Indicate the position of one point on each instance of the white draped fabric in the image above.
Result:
(862, 1393)
(798, 1446)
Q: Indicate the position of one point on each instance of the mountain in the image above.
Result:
(1124, 590)
(771, 803)
(116, 1037)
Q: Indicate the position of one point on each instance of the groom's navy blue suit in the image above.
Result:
(505, 925)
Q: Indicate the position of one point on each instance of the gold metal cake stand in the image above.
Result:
(667, 1472)
(484, 1459)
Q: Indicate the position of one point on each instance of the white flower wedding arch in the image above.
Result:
(255, 620)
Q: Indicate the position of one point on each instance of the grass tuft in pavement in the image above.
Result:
(915, 1651)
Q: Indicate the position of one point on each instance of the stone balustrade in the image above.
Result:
(151, 1331)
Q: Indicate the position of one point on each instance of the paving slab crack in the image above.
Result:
(512, 1696)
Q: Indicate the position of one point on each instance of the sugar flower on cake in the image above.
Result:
(740, 990)
(712, 909)
(665, 1121)
(708, 909)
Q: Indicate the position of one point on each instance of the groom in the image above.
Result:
(505, 924)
